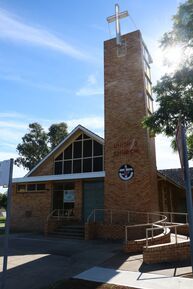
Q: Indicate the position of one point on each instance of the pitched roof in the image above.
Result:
(79, 127)
(176, 175)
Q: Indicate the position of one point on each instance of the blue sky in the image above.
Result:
(51, 63)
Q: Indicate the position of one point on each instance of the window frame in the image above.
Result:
(83, 140)
(25, 190)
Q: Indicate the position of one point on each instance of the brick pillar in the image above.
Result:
(126, 141)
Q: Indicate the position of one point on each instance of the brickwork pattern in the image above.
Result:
(137, 246)
(30, 210)
(167, 253)
(126, 142)
(104, 231)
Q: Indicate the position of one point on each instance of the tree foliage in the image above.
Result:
(174, 92)
(182, 30)
(3, 200)
(57, 132)
(36, 144)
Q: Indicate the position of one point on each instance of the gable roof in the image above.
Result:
(77, 128)
(176, 175)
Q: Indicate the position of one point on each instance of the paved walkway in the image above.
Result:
(35, 262)
(135, 279)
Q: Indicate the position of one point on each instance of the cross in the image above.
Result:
(118, 15)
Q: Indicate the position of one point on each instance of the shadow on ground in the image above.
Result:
(36, 262)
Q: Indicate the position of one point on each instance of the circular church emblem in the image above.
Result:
(126, 172)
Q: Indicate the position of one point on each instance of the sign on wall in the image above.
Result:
(126, 172)
(69, 196)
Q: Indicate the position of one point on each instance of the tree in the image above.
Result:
(3, 200)
(182, 30)
(37, 143)
(56, 134)
(33, 147)
(175, 91)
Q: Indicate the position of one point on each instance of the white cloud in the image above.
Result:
(34, 83)
(93, 123)
(89, 91)
(11, 115)
(91, 87)
(92, 79)
(14, 29)
(19, 125)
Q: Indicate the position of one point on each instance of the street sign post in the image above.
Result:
(183, 154)
(6, 172)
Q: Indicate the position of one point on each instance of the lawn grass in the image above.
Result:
(84, 284)
(2, 225)
(2, 222)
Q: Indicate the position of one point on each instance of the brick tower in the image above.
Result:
(130, 162)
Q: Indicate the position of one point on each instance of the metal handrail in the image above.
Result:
(156, 223)
(129, 213)
(171, 214)
(164, 230)
(49, 216)
(60, 213)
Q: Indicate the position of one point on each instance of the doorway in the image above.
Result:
(93, 198)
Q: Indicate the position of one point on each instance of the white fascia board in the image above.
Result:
(60, 177)
(83, 129)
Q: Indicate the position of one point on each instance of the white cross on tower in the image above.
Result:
(118, 15)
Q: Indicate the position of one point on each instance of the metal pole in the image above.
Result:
(7, 226)
(126, 234)
(176, 235)
(188, 191)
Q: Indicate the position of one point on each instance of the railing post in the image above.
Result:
(171, 218)
(125, 234)
(152, 231)
(176, 238)
(94, 216)
(58, 214)
(186, 218)
(146, 238)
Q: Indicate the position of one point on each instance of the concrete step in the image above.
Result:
(63, 236)
(70, 231)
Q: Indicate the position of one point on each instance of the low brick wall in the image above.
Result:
(182, 230)
(167, 253)
(117, 232)
(104, 231)
(137, 246)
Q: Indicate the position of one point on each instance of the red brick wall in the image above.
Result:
(167, 253)
(102, 231)
(137, 246)
(126, 142)
(30, 210)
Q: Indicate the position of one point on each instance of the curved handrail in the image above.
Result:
(148, 214)
(51, 214)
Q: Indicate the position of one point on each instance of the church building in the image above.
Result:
(86, 172)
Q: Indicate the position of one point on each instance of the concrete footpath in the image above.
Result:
(36, 262)
(135, 279)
